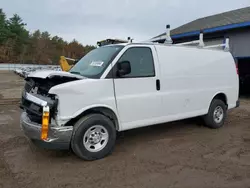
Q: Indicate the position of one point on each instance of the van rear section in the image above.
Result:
(195, 76)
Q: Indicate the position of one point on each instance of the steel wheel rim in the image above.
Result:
(218, 114)
(95, 138)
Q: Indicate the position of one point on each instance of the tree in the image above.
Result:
(18, 45)
(74, 49)
(34, 46)
(4, 32)
(19, 35)
(58, 46)
(88, 48)
(3, 37)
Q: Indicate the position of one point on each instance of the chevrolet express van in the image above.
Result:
(125, 86)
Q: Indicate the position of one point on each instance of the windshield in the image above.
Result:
(94, 63)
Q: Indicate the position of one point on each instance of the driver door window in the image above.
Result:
(141, 61)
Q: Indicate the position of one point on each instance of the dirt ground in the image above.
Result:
(180, 154)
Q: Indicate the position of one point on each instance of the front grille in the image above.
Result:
(34, 118)
(34, 111)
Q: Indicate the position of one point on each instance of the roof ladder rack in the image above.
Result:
(200, 42)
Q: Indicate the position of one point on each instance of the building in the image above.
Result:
(234, 24)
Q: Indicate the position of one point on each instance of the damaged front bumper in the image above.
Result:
(58, 137)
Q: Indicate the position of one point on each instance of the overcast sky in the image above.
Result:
(91, 20)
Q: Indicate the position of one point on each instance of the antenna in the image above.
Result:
(168, 37)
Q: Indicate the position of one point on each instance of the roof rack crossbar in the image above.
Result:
(215, 46)
(225, 45)
(200, 42)
(186, 43)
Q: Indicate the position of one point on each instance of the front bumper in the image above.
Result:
(59, 137)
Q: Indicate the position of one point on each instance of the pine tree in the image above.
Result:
(18, 45)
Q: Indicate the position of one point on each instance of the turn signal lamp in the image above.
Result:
(45, 123)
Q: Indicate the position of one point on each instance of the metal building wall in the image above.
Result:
(211, 42)
(240, 43)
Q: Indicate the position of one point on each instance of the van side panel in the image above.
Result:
(191, 77)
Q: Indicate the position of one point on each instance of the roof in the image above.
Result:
(231, 18)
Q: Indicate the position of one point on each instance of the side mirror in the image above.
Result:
(123, 68)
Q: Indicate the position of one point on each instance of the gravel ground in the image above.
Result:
(179, 154)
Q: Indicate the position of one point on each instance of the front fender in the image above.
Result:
(76, 97)
(77, 113)
(64, 120)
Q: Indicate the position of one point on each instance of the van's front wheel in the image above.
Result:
(93, 137)
(216, 115)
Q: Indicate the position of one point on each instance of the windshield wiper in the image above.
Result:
(78, 73)
(73, 72)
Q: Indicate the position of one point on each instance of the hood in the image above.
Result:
(50, 74)
(42, 81)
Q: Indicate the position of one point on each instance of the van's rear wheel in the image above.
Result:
(93, 137)
(216, 115)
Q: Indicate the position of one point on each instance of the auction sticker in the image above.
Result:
(96, 63)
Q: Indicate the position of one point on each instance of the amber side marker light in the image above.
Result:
(45, 123)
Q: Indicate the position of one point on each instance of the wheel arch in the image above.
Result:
(100, 109)
(222, 96)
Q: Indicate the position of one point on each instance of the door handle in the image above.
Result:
(158, 85)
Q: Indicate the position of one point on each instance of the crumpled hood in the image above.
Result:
(51, 73)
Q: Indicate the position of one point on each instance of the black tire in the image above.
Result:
(209, 119)
(80, 128)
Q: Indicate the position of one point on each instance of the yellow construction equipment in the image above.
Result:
(65, 66)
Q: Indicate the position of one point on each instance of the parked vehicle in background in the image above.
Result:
(25, 71)
(18, 71)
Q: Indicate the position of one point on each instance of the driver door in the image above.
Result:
(137, 94)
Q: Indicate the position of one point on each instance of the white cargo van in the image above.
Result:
(126, 86)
